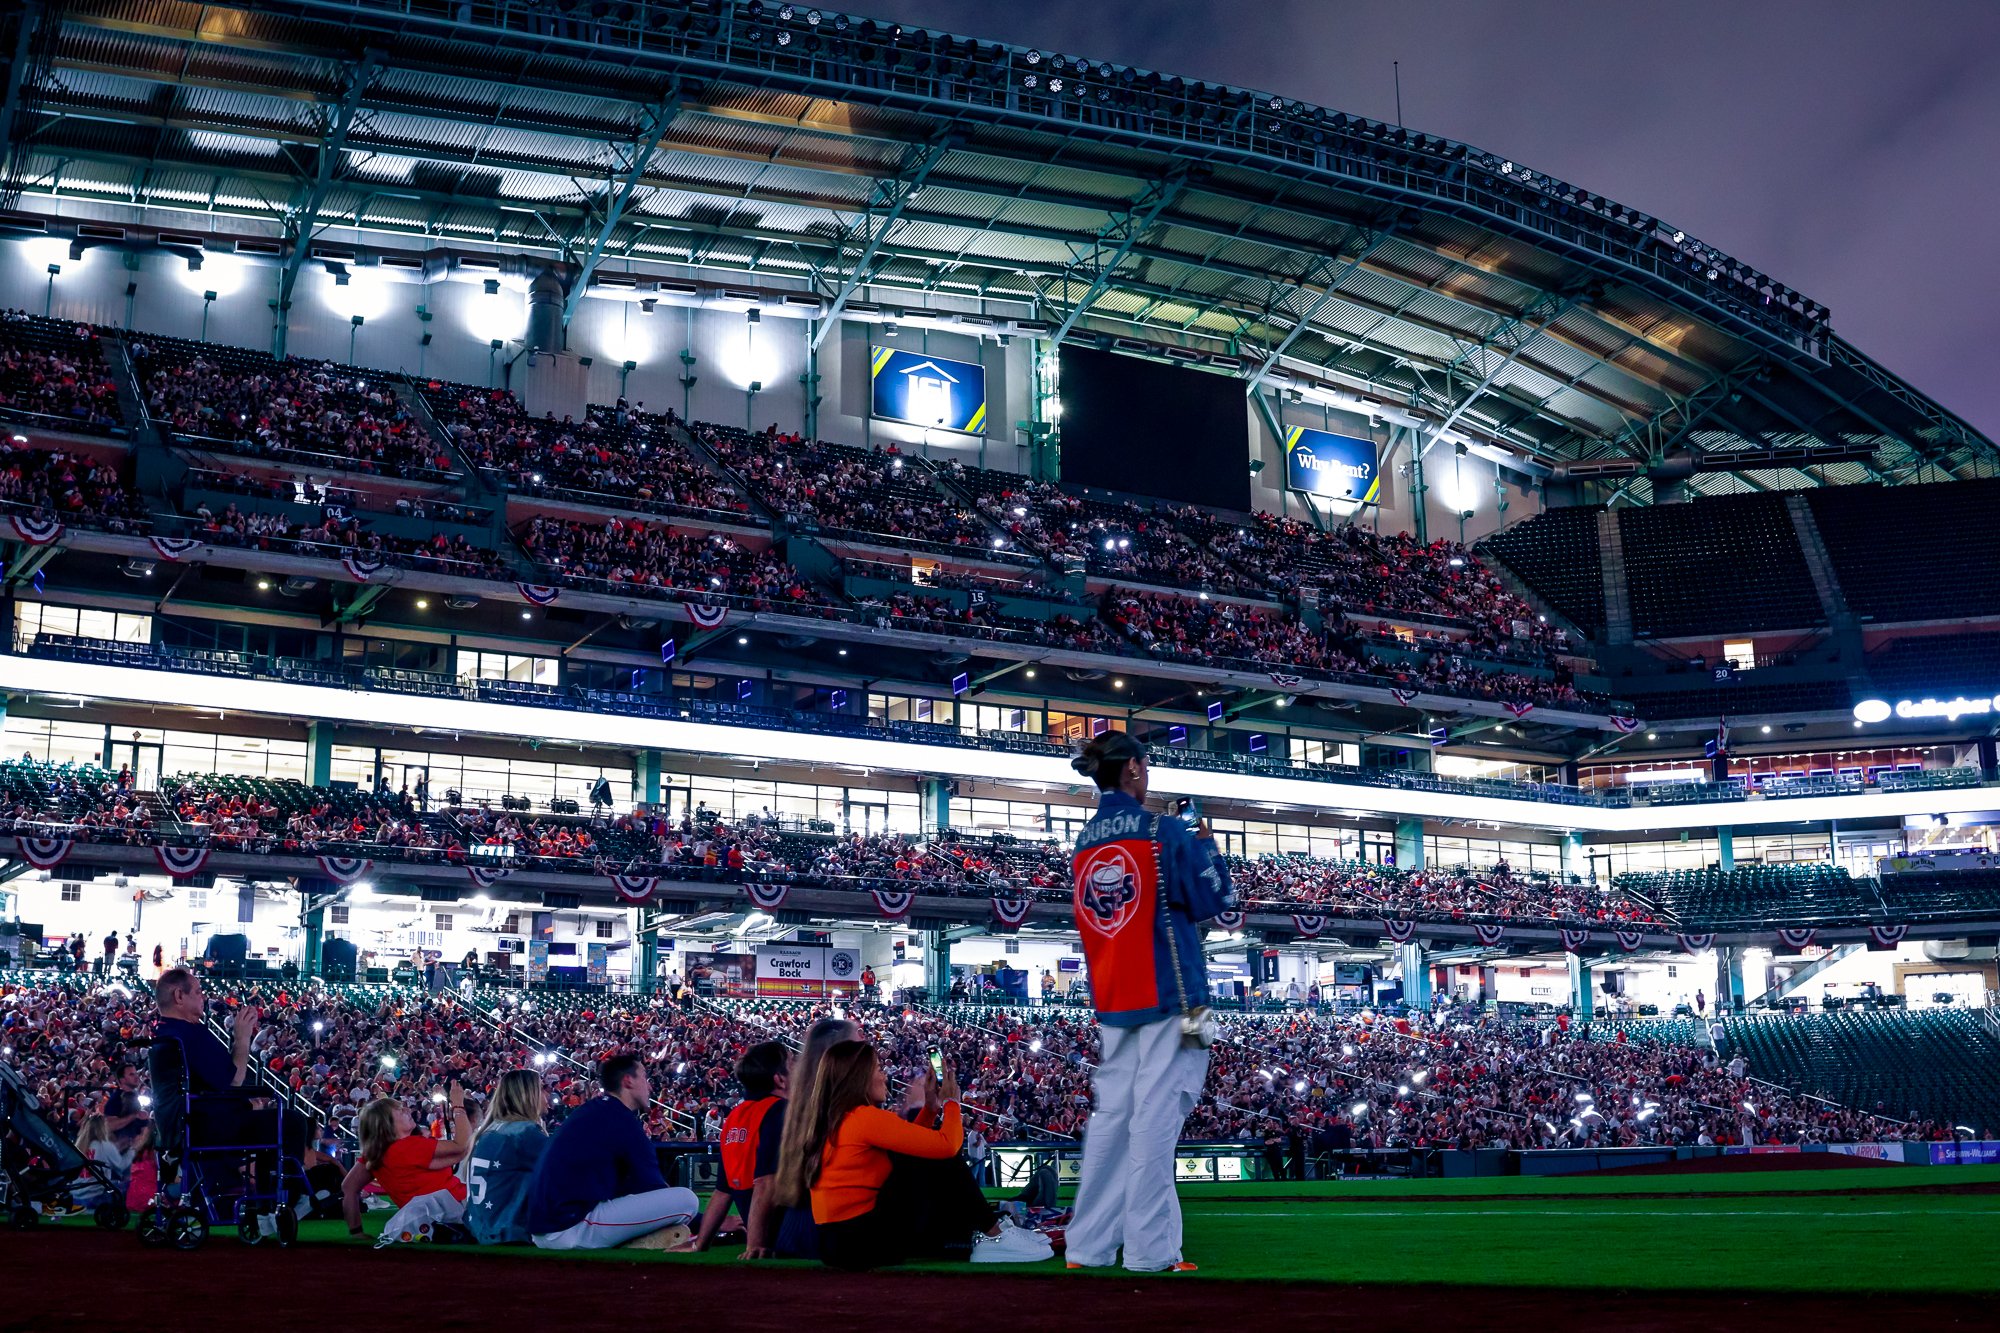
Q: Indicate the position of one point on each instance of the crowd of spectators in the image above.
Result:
(1363, 888)
(1305, 1081)
(339, 501)
(310, 412)
(53, 369)
(334, 535)
(72, 487)
(629, 554)
(871, 492)
(617, 455)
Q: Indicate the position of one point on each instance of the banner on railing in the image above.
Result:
(1489, 935)
(767, 897)
(1399, 932)
(485, 877)
(45, 853)
(706, 617)
(181, 862)
(173, 548)
(540, 594)
(893, 903)
(1010, 913)
(1308, 925)
(1229, 921)
(1573, 940)
(345, 869)
(361, 567)
(1628, 940)
(37, 529)
(1800, 937)
(1695, 943)
(1917, 865)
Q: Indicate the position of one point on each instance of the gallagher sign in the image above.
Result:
(1927, 708)
(928, 390)
(1339, 467)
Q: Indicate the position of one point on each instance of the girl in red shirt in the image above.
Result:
(406, 1164)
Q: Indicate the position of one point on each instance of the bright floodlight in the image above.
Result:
(1871, 710)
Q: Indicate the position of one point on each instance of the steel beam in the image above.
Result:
(339, 121)
(916, 170)
(17, 72)
(1512, 355)
(1338, 275)
(1120, 236)
(651, 124)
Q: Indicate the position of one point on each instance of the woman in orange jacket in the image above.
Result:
(873, 1208)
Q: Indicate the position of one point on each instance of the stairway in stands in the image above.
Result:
(1617, 599)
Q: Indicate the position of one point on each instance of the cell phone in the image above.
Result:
(937, 1063)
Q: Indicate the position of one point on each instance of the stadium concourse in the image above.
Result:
(658, 492)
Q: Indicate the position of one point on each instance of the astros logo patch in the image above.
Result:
(1107, 888)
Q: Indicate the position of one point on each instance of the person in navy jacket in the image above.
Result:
(1141, 884)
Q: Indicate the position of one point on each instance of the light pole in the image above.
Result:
(491, 355)
(353, 331)
(750, 405)
(49, 299)
(207, 300)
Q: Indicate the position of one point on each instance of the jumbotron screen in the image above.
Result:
(1152, 429)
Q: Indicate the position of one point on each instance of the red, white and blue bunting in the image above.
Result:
(46, 853)
(1489, 935)
(1520, 710)
(1231, 921)
(1887, 935)
(1399, 932)
(1697, 942)
(1799, 938)
(180, 862)
(362, 567)
(345, 869)
(1009, 913)
(1308, 926)
(767, 897)
(706, 617)
(1574, 940)
(1628, 940)
(893, 903)
(1403, 696)
(1285, 682)
(485, 877)
(173, 548)
(541, 594)
(633, 888)
(1626, 725)
(37, 529)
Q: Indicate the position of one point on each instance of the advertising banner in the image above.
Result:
(926, 390)
(1339, 467)
(1965, 1154)
(810, 970)
(1911, 865)
(728, 975)
(538, 962)
(595, 971)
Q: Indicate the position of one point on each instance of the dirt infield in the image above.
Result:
(77, 1279)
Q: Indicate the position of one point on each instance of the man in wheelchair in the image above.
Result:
(228, 1153)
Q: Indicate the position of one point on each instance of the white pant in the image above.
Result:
(425, 1210)
(624, 1218)
(1146, 1083)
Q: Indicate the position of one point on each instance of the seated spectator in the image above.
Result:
(599, 1184)
(869, 1214)
(414, 1170)
(798, 1234)
(95, 1142)
(505, 1154)
(751, 1135)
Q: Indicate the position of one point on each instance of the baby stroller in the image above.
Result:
(39, 1167)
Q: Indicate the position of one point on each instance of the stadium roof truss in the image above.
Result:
(852, 157)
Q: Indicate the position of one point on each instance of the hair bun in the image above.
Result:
(1083, 764)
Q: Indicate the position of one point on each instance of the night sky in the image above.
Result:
(1850, 150)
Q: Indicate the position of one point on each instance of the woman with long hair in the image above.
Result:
(870, 1208)
(411, 1168)
(505, 1153)
(798, 1237)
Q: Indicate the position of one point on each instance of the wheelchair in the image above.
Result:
(39, 1167)
(205, 1184)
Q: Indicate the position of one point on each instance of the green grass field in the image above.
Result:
(1825, 1231)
